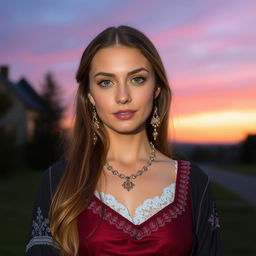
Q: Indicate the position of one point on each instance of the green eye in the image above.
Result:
(139, 79)
(104, 83)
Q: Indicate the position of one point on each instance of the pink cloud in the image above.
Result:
(222, 77)
(200, 102)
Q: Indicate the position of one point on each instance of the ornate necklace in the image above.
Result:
(128, 184)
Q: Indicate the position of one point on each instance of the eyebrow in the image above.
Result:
(130, 73)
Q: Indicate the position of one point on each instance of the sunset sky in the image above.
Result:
(208, 49)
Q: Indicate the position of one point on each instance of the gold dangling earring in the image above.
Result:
(155, 122)
(96, 124)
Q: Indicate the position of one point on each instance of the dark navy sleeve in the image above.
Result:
(206, 221)
(40, 241)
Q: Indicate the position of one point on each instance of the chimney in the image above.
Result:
(4, 71)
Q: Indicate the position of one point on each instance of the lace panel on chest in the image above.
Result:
(147, 209)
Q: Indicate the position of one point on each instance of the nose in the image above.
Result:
(123, 94)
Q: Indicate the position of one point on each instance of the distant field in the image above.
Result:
(237, 218)
(242, 168)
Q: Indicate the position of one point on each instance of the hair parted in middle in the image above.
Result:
(86, 160)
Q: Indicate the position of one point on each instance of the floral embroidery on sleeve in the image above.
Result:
(40, 231)
(40, 225)
(214, 219)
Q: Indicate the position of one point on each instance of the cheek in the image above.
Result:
(147, 107)
(144, 99)
(144, 103)
(104, 103)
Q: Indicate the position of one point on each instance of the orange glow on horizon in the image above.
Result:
(224, 126)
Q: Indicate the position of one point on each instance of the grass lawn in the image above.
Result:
(17, 195)
(237, 218)
(242, 168)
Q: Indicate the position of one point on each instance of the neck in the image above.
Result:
(128, 149)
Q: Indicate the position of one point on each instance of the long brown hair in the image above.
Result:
(86, 160)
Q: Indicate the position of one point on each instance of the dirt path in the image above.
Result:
(241, 184)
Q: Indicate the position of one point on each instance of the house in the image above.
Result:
(27, 106)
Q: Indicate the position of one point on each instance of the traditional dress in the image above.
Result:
(182, 221)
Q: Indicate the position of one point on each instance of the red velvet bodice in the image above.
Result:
(168, 232)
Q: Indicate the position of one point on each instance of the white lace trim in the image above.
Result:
(147, 209)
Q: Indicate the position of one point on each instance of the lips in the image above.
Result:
(125, 111)
(125, 114)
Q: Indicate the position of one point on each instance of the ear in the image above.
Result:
(91, 99)
(157, 91)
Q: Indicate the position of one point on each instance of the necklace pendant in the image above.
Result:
(128, 184)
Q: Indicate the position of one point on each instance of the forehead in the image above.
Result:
(118, 59)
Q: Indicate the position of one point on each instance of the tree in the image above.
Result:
(51, 93)
(248, 149)
(47, 145)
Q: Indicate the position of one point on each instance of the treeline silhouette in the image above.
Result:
(240, 153)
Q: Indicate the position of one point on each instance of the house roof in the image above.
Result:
(26, 93)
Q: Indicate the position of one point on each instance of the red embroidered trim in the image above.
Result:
(155, 222)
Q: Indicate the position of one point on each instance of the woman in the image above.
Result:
(119, 191)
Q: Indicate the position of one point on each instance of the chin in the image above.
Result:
(128, 128)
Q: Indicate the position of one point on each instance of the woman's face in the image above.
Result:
(121, 78)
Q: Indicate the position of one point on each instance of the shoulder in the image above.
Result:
(51, 176)
(197, 174)
(200, 186)
(199, 181)
(56, 170)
